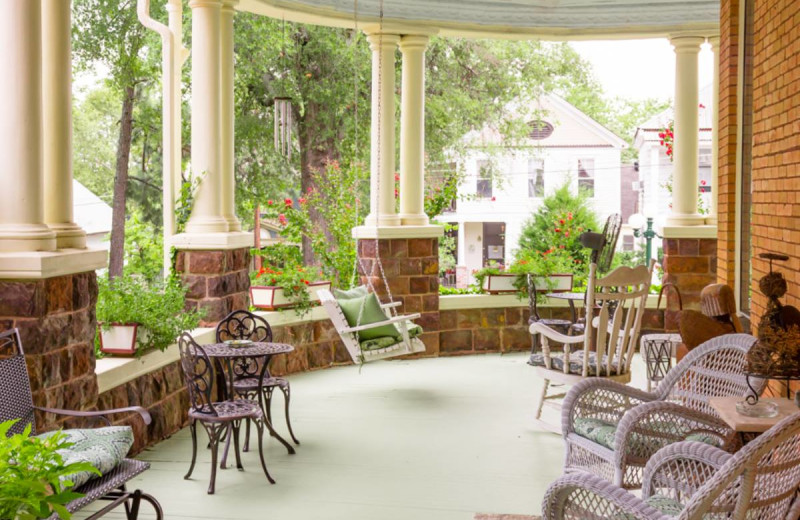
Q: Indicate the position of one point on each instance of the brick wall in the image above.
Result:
(56, 321)
(217, 281)
(690, 264)
(726, 181)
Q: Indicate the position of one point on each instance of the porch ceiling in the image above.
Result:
(546, 19)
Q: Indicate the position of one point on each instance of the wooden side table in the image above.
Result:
(744, 424)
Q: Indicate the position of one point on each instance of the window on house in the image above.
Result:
(586, 176)
(484, 184)
(535, 178)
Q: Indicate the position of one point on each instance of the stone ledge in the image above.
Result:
(689, 232)
(495, 301)
(212, 241)
(367, 232)
(48, 264)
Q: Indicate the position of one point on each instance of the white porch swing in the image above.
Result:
(367, 342)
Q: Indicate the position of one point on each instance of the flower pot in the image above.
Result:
(119, 339)
(272, 298)
(499, 283)
(554, 283)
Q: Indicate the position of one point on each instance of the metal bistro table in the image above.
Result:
(571, 298)
(224, 355)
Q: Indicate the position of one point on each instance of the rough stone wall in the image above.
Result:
(412, 268)
(690, 264)
(56, 320)
(217, 281)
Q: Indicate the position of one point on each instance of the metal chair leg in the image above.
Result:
(286, 397)
(260, 426)
(213, 434)
(132, 511)
(193, 429)
(156, 506)
(236, 426)
(268, 405)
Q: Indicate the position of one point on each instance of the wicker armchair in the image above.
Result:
(612, 430)
(16, 402)
(692, 480)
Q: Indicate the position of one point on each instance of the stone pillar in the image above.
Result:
(206, 121)
(691, 264)
(57, 123)
(711, 218)
(685, 150)
(227, 110)
(412, 132)
(411, 266)
(382, 153)
(217, 281)
(22, 226)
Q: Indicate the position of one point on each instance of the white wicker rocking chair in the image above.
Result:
(406, 345)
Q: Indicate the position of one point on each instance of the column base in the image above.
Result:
(207, 225)
(414, 219)
(27, 237)
(46, 264)
(69, 235)
(685, 219)
(389, 232)
(212, 241)
(711, 220)
(233, 223)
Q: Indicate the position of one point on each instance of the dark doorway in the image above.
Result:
(494, 243)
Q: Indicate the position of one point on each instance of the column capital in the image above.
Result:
(228, 6)
(411, 42)
(386, 40)
(195, 4)
(713, 40)
(686, 42)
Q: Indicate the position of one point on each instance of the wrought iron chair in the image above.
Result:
(215, 416)
(557, 324)
(692, 480)
(607, 345)
(16, 402)
(612, 430)
(244, 325)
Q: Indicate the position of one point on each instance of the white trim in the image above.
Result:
(689, 232)
(429, 231)
(47, 264)
(212, 241)
(590, 123)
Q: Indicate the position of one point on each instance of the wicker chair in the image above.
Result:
(609, 341)
(612, 430)
(692, 480)
(216, 417)
(16, 402)
(246, 325)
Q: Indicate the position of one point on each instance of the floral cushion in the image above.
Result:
(388, 341)
(603, 432)
(575, 363)
(666, 505)
(103, 448)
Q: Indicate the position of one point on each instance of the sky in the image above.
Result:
(638, 69)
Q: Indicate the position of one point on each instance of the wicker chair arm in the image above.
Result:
(659, 423)
(600, 398)
(585, 495)
(100, 414)
(680, 469)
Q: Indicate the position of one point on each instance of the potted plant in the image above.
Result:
(493, 279)
(552, 270)
(294, 287)
(134, 315)
(33, 475)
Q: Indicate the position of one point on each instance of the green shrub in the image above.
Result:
(34, 481)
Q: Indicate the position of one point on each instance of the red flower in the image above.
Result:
(306, 282)
(282, 219)
(562, 222)
(701, 105)
(310, 189)
(566, 234)
(301, 200)
(494, 199)
(561, 246)
(269, 203)
(703, 183)
(288, 202)
(396, 176)
(558, 230)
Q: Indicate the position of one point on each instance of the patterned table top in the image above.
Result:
(255, 349)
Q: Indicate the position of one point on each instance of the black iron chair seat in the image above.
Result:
(251, 384)
(227, 411)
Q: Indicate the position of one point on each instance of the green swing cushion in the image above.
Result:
(355, 292)
(372, 314)
(388, 341)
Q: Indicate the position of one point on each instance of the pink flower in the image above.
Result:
(301, 200)
(282, 219)
(494, 199)
(566, 234)
(703, 183)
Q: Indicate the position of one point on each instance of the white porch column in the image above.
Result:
(206, 121)
(382, 152)
(22, 225)
(412, 132)
(57, 123)
(685, 149)
(227, 130)
(711, 218)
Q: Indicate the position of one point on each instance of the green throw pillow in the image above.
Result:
(355, 292)
(372, 314)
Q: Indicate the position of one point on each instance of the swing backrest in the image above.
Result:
(340, 323)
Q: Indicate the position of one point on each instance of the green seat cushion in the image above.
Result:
(355, 292)
(387, 341)
(668, 506)
(103, 448)
(603, 432)
(372, 313)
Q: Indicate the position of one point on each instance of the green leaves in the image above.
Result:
(33, 476)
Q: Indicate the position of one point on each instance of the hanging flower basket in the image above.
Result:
(270, 297)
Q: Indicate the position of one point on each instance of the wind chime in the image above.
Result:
(283, 111)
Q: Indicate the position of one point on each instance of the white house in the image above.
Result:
(564, 145)
(91, 214)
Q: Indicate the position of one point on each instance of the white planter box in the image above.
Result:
(271, 298)
(504, 283)
(119, 339)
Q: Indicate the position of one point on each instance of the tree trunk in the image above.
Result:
(315, 152)
(117, 253)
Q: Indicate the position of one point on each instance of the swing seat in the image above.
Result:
(376, 348)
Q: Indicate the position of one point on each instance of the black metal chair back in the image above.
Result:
(532, 298)
(16, 399)
(240, 325)
(198, 373)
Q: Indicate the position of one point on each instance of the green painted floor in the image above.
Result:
(436, 439)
